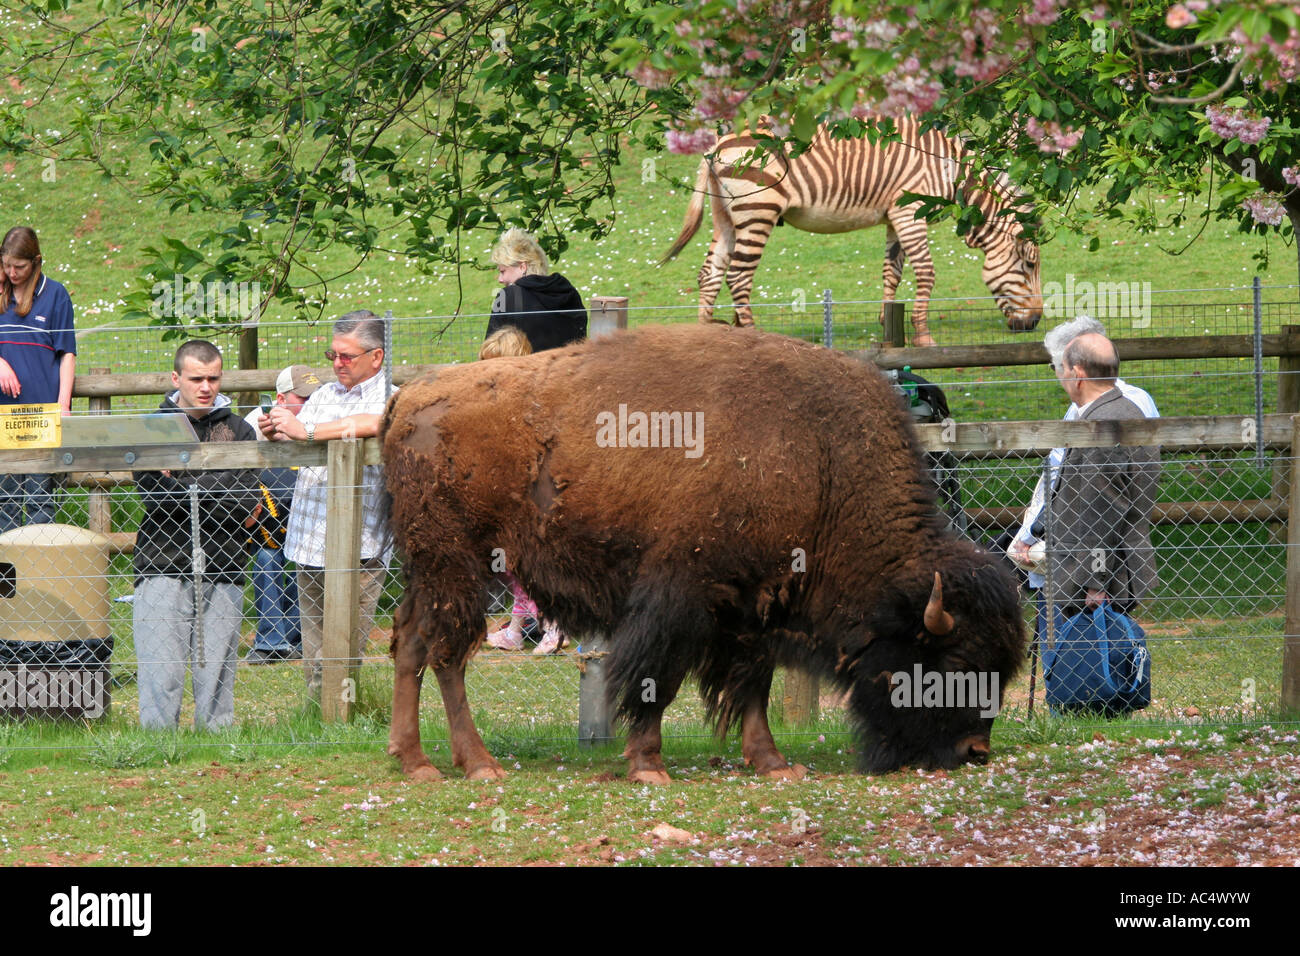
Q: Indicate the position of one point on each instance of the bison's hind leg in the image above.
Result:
(736, 685)
(410, 654)
(661, 639)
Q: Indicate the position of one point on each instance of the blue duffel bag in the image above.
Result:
(1099, 665)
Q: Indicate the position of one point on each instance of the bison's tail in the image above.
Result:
(694, 213)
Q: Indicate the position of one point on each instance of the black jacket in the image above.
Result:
(163, 546)
(547, 309)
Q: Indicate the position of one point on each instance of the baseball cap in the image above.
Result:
(298, 379)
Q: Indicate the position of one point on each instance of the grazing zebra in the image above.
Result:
(838, 185)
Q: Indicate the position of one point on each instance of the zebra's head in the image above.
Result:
(1011, 271)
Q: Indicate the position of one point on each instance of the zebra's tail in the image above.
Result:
(694, 213)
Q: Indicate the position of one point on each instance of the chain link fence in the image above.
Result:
(1214, 623)
(72, 626)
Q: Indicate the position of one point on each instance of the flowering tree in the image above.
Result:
(1194, 97)
(368, 126)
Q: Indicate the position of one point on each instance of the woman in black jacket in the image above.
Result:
(543, 305)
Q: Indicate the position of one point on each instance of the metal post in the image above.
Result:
(196, 569)
(593, 701)
(388, 353)
(828, 320)
(1260, 463)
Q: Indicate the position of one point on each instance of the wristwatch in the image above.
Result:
(311, 431)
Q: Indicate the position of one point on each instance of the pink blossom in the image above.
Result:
(1265, 208)
(1051, 137)
(651, 77)
(1179, 16)
(1044, 12)
(690, 143)
(1292, 175)
(1237, 124)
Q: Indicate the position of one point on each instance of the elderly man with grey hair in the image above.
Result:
(349, 408)
(1055, 342)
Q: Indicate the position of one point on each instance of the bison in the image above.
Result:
(719, 502)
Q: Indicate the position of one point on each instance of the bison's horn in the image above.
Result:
(937, 621)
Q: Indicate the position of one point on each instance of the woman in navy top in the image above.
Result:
(38, 358)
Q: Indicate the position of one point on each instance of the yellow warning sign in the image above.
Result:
(31, 426)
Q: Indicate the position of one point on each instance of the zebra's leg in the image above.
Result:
(916, 248)
(717, 259)
(754, 222)
(892, 273)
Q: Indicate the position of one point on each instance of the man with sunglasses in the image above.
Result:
(348, 408)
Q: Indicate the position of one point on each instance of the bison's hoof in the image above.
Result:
(425, 773)
(795, 771)
(656, 777)
(487, 771)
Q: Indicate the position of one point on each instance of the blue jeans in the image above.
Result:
(275, 594)
(38, 493)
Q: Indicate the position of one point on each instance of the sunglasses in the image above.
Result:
(344, 357)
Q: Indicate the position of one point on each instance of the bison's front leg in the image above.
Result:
(467, 750)
(410, 654)
(759, 748)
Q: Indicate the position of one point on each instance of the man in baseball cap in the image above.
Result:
(275, 593)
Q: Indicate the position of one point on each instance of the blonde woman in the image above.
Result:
(543, 305)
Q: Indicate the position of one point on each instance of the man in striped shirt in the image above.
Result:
(349, 408)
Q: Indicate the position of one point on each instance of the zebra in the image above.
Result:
(838, 185)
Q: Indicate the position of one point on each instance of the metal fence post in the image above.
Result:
(342, 580)
(828, 320)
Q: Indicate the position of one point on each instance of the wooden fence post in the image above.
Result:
(1291, 638)
(801, 700)
(1288, 402)
(99, 511)
(892, 317)
(594, 721)
(608, 313)
(342, 580)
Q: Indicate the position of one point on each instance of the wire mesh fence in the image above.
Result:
(86, 634)
(985, 391)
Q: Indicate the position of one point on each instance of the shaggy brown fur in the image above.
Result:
(804, 534)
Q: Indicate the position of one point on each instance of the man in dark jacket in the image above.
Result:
(543, 305)
(189, 596)
(1099, 529)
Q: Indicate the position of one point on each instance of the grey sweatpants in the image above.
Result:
(166, 641)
